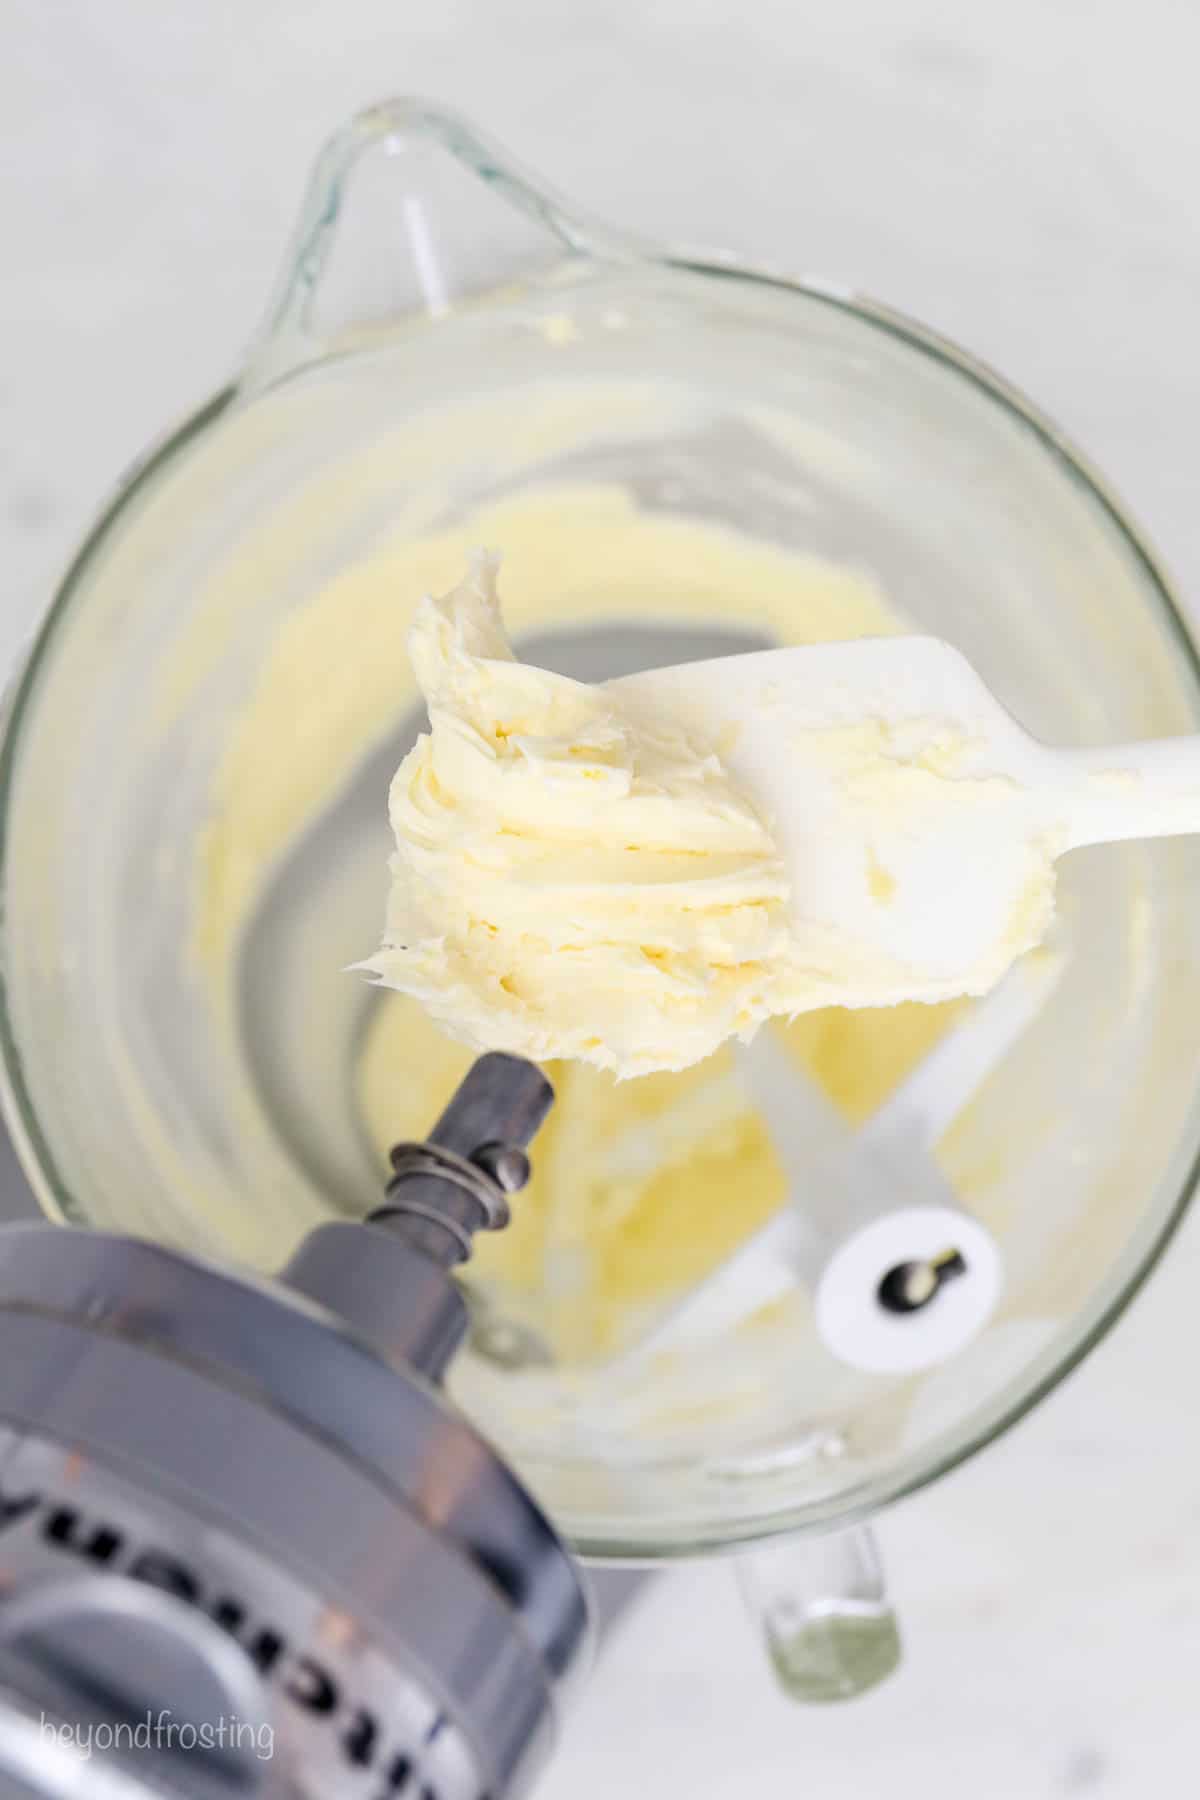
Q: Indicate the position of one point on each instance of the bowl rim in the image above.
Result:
(1058, 1359)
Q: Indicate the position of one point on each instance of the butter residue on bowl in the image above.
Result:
(639, 1188)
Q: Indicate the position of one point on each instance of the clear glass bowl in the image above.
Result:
(425, 266)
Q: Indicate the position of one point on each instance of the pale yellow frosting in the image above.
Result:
(567, 883)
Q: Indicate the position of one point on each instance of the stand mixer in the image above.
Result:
(229, 1453)
(241, 1516)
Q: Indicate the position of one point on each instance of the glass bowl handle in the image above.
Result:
(819, 1602)
(408, 212)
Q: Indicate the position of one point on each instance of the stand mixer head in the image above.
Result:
(245, 1542)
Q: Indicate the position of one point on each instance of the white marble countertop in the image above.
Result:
(1023, 177)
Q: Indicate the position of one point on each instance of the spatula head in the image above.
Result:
(905, 800)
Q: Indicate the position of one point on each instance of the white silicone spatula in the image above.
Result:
(915, 816)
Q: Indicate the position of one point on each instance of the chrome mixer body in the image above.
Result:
(247, 1545)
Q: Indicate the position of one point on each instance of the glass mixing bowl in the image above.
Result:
(143, 1100)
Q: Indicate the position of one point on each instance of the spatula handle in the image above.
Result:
(1131, 791)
